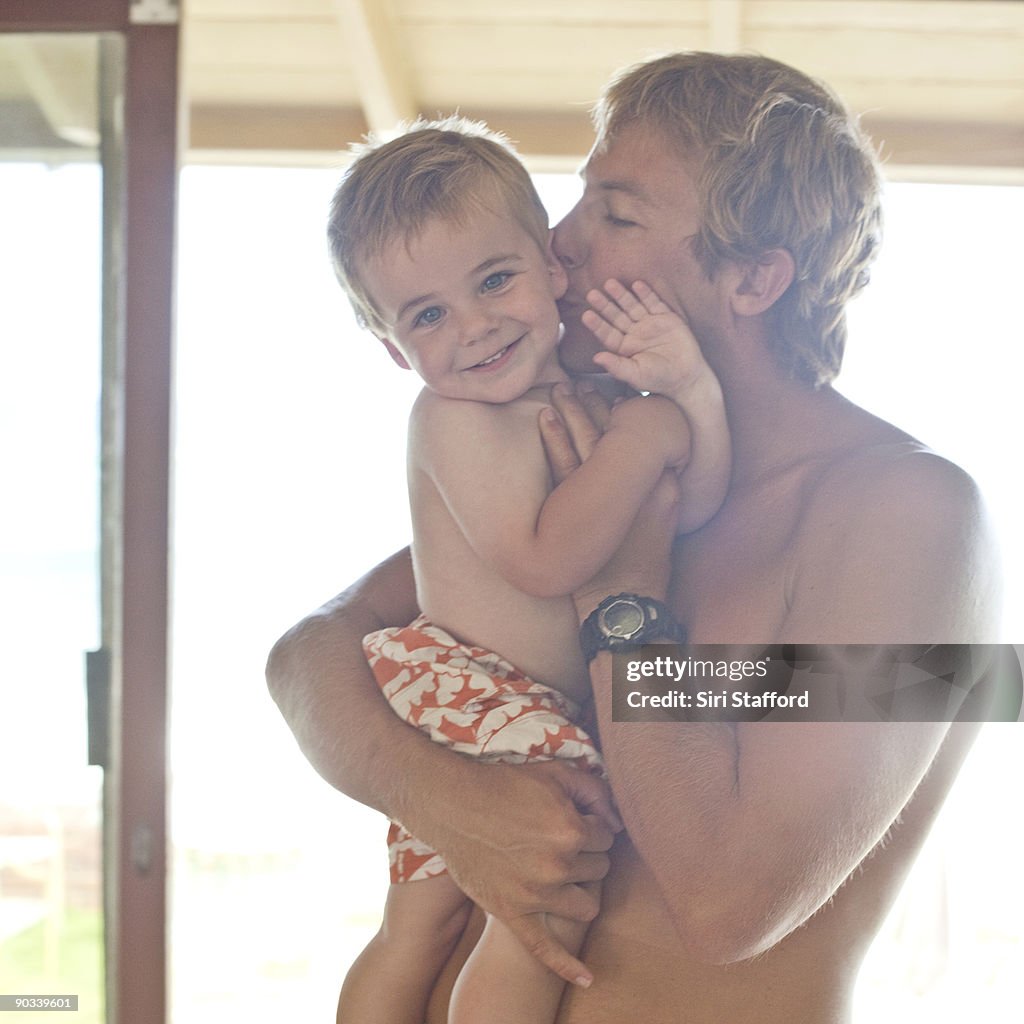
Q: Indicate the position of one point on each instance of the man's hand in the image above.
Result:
(553, 834)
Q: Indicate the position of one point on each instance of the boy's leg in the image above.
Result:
(391, 980)
(503, 983)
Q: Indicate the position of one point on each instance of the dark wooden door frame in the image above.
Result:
(135, 870)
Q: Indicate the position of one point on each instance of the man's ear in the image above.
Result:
(559, 278)
(761, 282)
(395, 353)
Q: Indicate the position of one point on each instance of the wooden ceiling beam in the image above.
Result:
(282, 133)
(911, 149)
(376, 58)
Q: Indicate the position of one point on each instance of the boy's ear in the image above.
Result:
(761, 282)
(395, 353)
(559, 278)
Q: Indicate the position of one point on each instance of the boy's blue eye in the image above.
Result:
(428, 316)
(496, 280)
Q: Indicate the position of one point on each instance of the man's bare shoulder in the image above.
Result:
(894, 545)
(889, 481)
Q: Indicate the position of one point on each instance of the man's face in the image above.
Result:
(636, 221)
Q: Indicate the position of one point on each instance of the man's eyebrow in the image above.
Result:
(627, 187)
(491, 261)
(630, 188)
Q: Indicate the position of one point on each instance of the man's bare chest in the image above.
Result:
(732, 580)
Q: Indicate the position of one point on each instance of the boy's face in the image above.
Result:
(471, 309)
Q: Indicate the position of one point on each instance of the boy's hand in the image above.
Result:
(648, 346)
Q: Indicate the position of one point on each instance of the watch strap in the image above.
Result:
(610, 626)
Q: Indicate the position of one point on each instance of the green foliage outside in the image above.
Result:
(75, 966)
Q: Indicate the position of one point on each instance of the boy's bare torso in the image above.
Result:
(457, 590)
(733, 581)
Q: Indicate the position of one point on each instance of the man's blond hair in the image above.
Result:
(451, 170)
(779, 163)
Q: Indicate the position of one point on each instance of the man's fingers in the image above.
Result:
(590, 867)
(534, 935)
(592, 795)
(574, 902)
(598, 835)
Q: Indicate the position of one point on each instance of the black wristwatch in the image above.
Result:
(628, 620)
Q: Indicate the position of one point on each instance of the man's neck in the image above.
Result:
(777, 422)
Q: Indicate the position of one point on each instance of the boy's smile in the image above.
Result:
(471, 308)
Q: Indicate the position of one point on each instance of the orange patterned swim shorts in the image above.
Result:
(475, 702)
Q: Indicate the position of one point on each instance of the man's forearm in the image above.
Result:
(732, 829)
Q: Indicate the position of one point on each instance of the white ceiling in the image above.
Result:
(940, 84)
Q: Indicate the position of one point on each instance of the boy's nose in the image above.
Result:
(478, 323)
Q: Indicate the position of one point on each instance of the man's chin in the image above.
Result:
(577, 348)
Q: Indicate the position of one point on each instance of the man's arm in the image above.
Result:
(517, 839)
(750, 828)
(318, 676)
(753, 827)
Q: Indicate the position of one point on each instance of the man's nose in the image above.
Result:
(568, 243)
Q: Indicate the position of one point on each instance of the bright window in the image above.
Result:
(289, 482)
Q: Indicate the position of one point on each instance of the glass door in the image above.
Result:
(55, 102)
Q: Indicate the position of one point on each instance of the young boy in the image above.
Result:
(444, 249)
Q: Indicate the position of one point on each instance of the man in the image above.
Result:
(758, 859)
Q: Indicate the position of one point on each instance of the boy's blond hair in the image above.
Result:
(451, 169)
(778, 163)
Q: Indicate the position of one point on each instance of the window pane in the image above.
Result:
(51, 932)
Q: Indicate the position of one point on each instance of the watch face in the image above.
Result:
(622, 619)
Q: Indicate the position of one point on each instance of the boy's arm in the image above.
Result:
(650, 348)
(488, 466)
